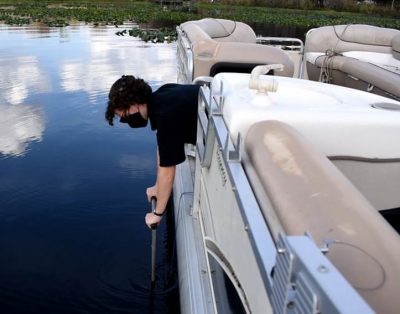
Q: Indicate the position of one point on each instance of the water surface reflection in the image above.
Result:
(19, 125)
(72, 202)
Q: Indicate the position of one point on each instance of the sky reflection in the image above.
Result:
(36, 62)
(19, 125)
(108, 58)
(21, 75)
(72, 188)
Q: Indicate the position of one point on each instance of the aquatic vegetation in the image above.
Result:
(152, 35)
(87, 12)
(107, 12)
(308, 18)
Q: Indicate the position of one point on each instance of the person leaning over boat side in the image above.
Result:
(172, 111)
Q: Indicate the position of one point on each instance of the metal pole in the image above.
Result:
(153, 244)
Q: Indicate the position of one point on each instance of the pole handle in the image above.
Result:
(153, 201)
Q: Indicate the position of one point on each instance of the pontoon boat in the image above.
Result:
(277, 207)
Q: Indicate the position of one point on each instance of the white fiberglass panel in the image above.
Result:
(340, 121)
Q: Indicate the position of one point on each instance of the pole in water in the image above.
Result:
(153, 258)
(153, 245)
(153, 253)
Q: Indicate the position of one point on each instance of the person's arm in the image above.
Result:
(162, 191)
(152, 191)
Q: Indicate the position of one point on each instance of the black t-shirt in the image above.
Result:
(172, 111)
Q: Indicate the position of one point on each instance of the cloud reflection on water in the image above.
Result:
(20, 76)
(19, 125)
(78, 196)
(87, 59)
(137, 166)
(109, 57)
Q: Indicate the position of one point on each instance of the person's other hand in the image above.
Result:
(151, 192)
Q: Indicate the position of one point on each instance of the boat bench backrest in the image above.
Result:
(396, 47)
(225, 30)
(306, 193)
(357, 37)
(232, 44)
(365, 71)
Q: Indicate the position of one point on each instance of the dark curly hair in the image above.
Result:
(126, 91)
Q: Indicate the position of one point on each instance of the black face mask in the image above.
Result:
(134, 120)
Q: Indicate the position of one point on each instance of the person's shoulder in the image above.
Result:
(179, 86)
(165, 88)
(169, 85)
(172, 89)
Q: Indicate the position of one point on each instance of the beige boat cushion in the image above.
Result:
(306, 193)
(367, 72)
(378, 181)
(357, 37)
(225, 30)
(208, 52)
(396, 47)
(202, 44)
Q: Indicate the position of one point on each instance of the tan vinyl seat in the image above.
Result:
(366, 72)
(332, 42)
(396, 47)
(300, 191)
(353, 37)
(222, 44)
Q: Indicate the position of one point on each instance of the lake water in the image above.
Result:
(72, 188)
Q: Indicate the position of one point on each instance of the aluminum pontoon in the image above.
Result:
(277, 207)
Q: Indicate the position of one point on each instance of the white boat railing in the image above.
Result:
(305, 281)
(294, 47)
(284, 43)
(185, 57)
